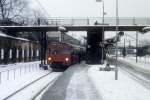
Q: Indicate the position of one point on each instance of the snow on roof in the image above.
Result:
(5, 35)
(2, 34)
(23, 39)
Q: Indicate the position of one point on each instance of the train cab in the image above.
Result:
(60, 55)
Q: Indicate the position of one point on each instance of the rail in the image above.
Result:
(21, 89)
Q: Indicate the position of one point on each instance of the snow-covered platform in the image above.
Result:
(74, 84)
(87, 82)
(125, 88)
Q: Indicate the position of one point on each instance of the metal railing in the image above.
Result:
(62, 21)
(14, 73)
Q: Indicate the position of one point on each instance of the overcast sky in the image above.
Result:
(84, 8)
(91, 8)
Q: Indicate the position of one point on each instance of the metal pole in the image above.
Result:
(7, 74)
(116, 71)
(0, 78)
(136, 46)
(103, 12)
(124, 48)
(14, 73)
(24, 68)
(103, 35)
(20, 71)
(45, 47)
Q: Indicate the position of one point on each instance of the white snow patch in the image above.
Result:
(31, 73)
(122, 89)
(141, 65)
(32, 90)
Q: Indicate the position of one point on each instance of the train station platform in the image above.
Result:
(87, 82)
(74, 84)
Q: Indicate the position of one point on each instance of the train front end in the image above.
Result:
(59, 56)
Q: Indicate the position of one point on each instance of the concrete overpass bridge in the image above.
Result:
(84, 21)
(93, 26)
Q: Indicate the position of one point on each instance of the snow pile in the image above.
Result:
(122, 89)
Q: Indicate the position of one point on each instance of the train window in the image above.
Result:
(2, 53)
(60, 51)
(49, 50)
(10, 53)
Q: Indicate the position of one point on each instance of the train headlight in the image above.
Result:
(67, 59)
(49, 58)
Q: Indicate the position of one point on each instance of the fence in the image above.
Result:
(12, 74)
(60, 21)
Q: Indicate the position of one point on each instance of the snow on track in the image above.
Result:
(11, 86)
(32, 90)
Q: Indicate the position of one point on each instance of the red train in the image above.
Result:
(62, 55)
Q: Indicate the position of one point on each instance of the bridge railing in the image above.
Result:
(58, 21)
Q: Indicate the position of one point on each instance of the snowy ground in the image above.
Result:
(15, 71)
(122, 89)
(79, 82)
(144, 59)
(30, 92)
(25, 73)
(73, 84)
(141, 65)
(86, 82)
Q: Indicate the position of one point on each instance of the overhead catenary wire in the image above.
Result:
(42, 7)
(134, 39)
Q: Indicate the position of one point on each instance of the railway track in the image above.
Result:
(139, 76)
(30, 84)
(43, 89)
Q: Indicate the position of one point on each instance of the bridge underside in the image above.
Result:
(71, 28)
(94, 36)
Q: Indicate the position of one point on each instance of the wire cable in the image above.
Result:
(42, 7)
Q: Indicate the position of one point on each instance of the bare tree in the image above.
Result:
(12, 8)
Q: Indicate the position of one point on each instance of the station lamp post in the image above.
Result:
(137, 47)
(103, 28)
(117, 23)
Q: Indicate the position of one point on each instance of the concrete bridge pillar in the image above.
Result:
(93, 48)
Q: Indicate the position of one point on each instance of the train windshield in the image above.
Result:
(59, 51)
